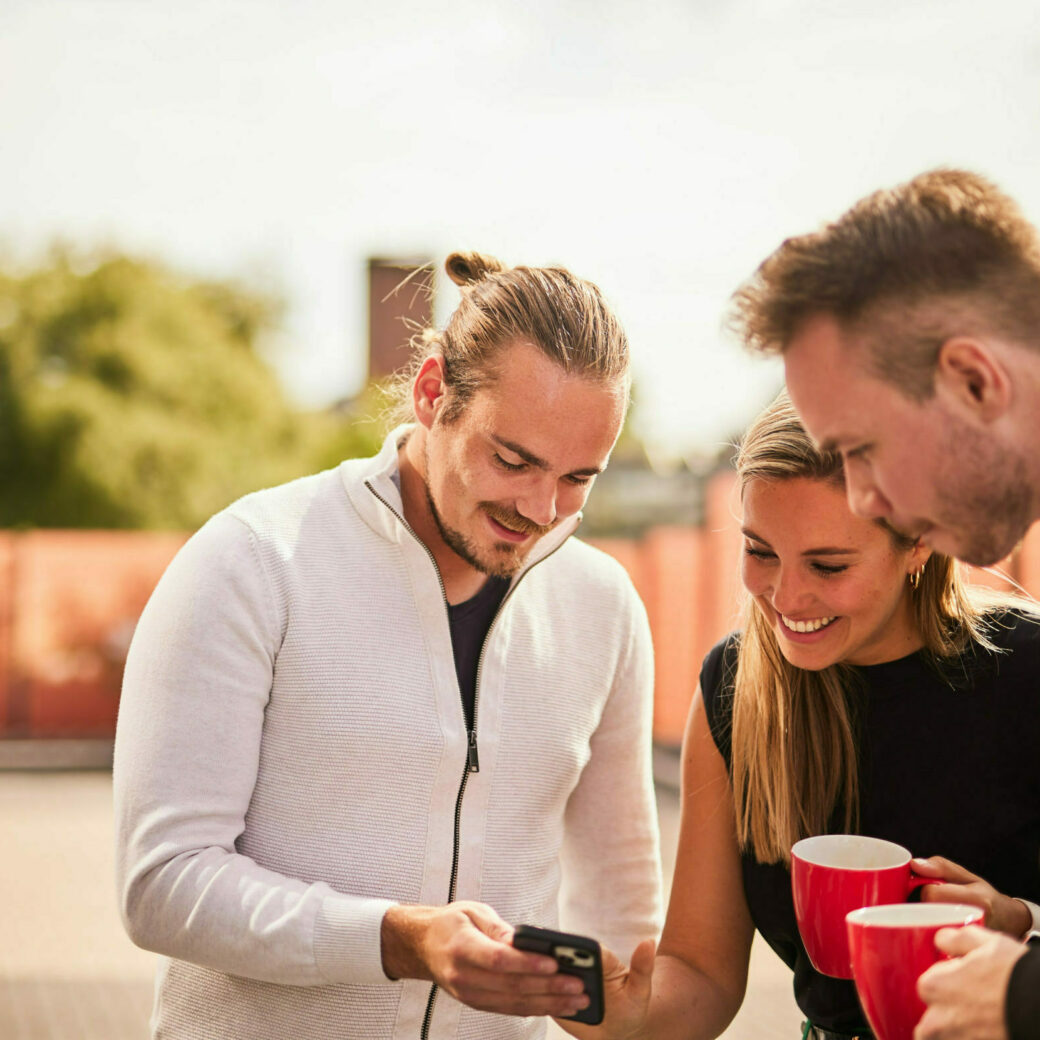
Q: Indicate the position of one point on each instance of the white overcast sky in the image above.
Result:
(661, 149)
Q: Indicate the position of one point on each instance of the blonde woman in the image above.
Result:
(868, 692)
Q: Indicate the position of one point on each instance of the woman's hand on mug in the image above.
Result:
(1003, 913)
(626, 997)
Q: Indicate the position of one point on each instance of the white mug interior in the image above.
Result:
(914, 915)
(850, 852)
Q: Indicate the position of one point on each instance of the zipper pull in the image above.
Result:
(474, 759)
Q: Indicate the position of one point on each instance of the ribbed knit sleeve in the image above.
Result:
(197, 683)
(611, 851)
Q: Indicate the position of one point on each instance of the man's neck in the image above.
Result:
(461, 580)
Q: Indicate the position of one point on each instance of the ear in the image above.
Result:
(428, 390)
(973, 377)
(919, 556)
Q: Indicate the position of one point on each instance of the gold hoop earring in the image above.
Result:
(915, 577)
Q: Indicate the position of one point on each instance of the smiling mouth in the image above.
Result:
(507, 532)
(809, 625)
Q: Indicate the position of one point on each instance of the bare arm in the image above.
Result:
(702, 963)
(700, 972)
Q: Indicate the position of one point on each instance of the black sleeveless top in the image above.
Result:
(948, 767)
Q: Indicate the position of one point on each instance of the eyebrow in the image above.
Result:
(822, 550)
(538, 461)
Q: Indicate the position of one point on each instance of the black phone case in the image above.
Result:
(576, 955)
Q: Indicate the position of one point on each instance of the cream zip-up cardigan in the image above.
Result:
(291, 746)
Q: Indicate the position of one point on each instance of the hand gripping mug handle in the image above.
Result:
(919, 881)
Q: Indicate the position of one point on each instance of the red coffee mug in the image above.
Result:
(891, 946)
(832, 874)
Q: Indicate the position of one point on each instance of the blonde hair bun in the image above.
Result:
(465, 268)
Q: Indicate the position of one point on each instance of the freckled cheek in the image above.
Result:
(751, 575)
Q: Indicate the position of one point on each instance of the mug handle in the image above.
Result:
(918, 881)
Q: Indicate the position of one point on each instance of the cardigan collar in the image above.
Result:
(374, 488)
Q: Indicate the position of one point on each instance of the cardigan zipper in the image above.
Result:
(472, 766)
(472, 756)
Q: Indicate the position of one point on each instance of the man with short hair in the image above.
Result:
(910, 334)
(376, 717)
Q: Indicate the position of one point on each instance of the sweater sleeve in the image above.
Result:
(188, 743)
(1022, 1007)
(611, 852)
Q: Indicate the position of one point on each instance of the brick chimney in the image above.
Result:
(400, 299)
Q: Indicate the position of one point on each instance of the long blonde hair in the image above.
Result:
(793, 732)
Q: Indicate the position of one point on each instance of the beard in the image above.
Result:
(502, 560)
(984, 498)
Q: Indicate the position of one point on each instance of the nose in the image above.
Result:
(788, 594)
(864, 497)
(538, 501)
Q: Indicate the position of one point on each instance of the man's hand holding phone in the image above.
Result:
(466, 948)
(619, 994)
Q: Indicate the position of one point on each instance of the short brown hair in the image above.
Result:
(564, 316)
(905, 269)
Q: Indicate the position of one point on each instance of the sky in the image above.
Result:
(660, 149)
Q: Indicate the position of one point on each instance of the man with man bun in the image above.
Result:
(910, 334)
(376, 717)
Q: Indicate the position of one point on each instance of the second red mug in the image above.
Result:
(891, 946)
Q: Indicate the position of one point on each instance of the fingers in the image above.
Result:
(957, 894)
(498, 957)
(557, 995)
(491, 976)
(478, 965)
(956, 942)
(945, 869)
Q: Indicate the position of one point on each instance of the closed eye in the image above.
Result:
(825, 570)
(513, 467)
(759, 554)
(829, 568)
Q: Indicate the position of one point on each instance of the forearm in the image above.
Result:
(687, 1004)
(222, 911)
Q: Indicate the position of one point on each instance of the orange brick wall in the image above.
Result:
(69, 601)
(68, 607)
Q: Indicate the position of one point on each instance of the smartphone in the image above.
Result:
(575, 955)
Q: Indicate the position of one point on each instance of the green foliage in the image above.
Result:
(132, 398)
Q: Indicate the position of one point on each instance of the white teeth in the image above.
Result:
(806, 626)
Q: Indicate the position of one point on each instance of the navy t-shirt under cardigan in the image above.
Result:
(946, 768)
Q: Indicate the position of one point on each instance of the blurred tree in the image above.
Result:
(132, 398)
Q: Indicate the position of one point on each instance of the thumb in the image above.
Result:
(641, 970)
(958, 941)
(487, 921)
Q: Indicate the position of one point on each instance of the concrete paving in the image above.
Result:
(67, 970)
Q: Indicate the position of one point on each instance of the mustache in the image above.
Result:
(514, 521)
